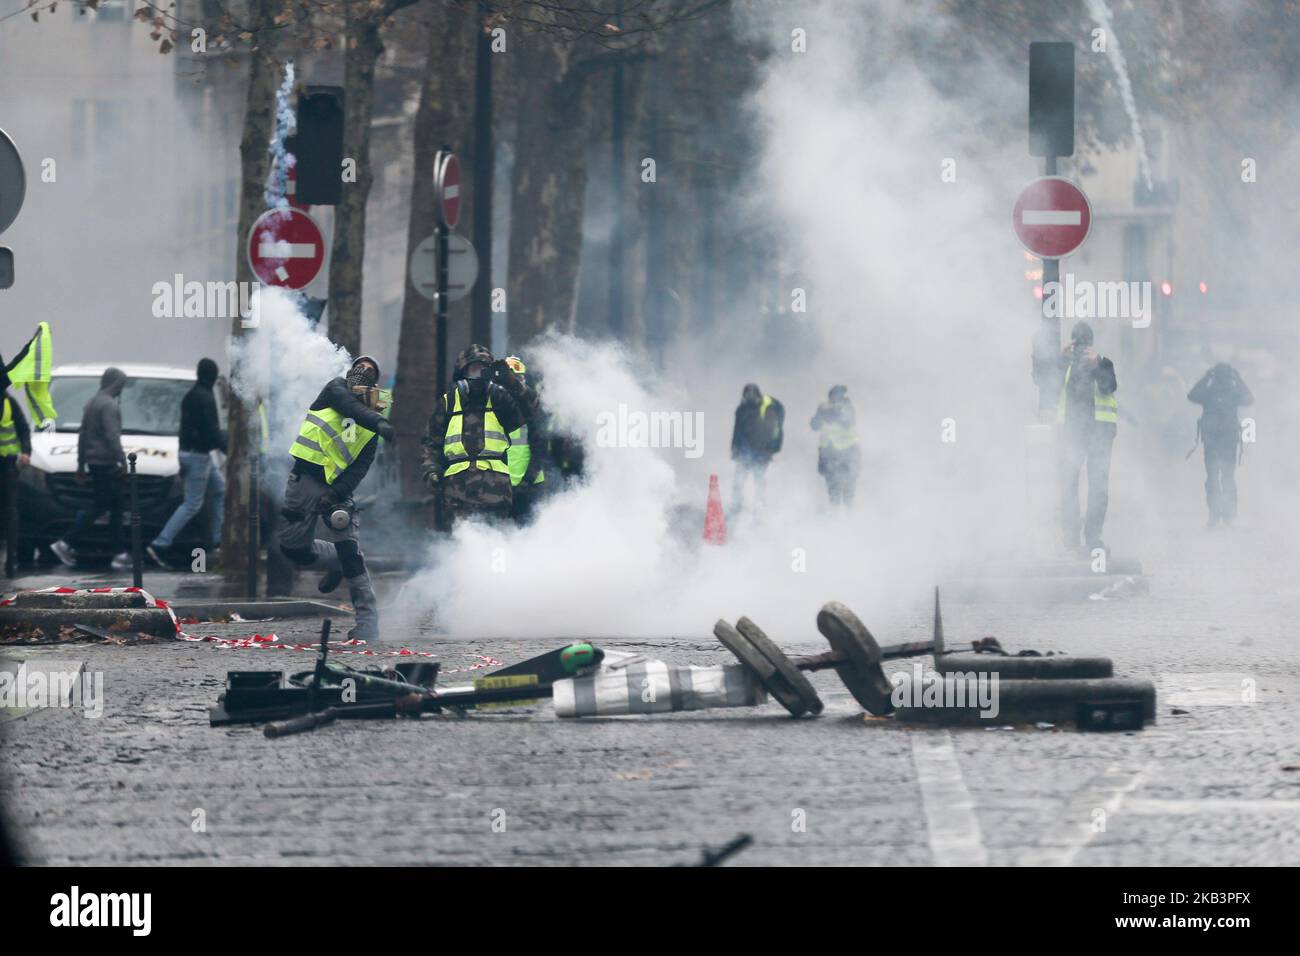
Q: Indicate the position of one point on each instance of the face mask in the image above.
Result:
(361, 375)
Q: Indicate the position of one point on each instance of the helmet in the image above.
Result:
(475, 353)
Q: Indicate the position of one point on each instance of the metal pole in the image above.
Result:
(137, 562)
(444, 235)
(484, 164)
(617, 173)
(1049, 332)
(254, 515)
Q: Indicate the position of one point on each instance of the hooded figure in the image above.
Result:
(100, 459)
(99, 438)
(757, 435)
(200, 435)
(837, 446)
(466, 444)
(1220, 393)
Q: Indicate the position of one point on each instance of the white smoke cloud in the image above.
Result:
(283, 362)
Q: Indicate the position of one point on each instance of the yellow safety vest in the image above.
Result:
(495, 441)
(9, 444)
(520, 456)
(1105, 408)
(33, 372)
(837, 436)
(324, 439)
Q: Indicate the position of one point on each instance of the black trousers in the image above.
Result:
(1221, 478)
(106, 496)
(9, 512)
(1079, 446)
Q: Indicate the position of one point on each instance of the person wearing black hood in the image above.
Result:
(467, 441)
(756, 436)
(1220, 392)
(332, 453)
(200, 436)
(100, 459)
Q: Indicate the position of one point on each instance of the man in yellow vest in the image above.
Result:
(1088, 414)
(467, 441)
(837, 445)
(332, 453)
(527, 444)
(756, 436)
(15, 454)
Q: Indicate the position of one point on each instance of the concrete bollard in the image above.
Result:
(654, 687)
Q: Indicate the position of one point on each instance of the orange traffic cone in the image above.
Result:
(715, 522)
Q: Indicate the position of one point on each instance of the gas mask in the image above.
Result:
(340, 517)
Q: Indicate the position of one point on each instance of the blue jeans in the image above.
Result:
(200, 479)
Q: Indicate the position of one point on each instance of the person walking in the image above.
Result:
(201, 435)
(1220, 393)
(102, 462)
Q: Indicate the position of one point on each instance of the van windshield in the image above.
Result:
(150, 406)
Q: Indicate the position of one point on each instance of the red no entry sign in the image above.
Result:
(446, 187)
(1052, 217)
(286, 248)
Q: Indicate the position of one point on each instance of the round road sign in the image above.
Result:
(13, 181)
(286, 248)
(462, 267)
(446, 188)
(1052, 217)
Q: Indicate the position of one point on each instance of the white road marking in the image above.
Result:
(1051, 217)
(955, 837)
(1108, 798)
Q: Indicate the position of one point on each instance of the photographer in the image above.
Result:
(1088, 414)
(467, 442)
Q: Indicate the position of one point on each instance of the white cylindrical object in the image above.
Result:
(653, 687)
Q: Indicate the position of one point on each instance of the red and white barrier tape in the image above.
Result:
(262, 641)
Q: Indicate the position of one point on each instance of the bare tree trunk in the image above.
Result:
(259, 126)
(347, 257)
(550, 178)
(442, 115)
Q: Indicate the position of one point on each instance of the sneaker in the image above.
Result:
(121, 562)
(154, 556)
(61, 550)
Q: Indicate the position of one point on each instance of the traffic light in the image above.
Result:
(1051, 99)
(317, 146)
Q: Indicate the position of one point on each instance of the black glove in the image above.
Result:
(505, 376)
(327, 502)
(386, 431)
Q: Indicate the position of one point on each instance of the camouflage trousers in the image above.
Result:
(475, 493)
